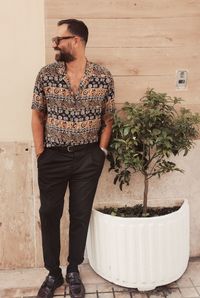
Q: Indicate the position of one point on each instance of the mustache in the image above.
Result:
(63, 56)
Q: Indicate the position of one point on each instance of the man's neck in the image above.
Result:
(77, 66)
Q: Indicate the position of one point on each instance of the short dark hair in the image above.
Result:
(76, 27)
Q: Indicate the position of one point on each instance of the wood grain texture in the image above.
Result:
(140, 62)
(142, 42)
(135, 70)
(119, 33)
(133, 88)
(121, 9)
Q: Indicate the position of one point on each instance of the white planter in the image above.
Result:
(139, 253)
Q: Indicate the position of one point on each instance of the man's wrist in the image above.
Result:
(104, 150)
(39, 152)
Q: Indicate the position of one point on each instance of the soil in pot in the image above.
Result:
(136, 211)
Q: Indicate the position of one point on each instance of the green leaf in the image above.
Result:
(126, 131)
(145, 136)
(156, 131)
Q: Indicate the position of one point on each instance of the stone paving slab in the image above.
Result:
(24, 283)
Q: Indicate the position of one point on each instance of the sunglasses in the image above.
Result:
(57, 39)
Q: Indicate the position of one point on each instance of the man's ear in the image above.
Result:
(77, 41)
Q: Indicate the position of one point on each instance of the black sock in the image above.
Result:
(56, 273)
(72, 268)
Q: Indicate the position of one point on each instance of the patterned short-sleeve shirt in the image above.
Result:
(73, 119)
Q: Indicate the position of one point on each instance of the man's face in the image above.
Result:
(64, 47)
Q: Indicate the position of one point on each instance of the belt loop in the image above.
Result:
(69, 149)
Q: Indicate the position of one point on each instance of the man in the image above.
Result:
(72, 110)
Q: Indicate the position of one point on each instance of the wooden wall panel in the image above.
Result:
(147, 32)
(142, 61)
(135, 70)
(143, 42)
(121, 8)
(133, 88)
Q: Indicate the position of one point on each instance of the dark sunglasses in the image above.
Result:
(57, 39)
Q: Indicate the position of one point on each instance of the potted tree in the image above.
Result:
(141, 246)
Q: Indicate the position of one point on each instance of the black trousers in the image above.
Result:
(56, 170)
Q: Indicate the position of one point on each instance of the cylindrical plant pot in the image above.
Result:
(139, 253)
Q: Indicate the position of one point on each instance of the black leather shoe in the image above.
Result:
(76, 287)
(49, 286)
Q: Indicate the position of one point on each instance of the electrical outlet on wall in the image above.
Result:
(181, 79)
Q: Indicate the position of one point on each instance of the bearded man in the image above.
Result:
(72, 109)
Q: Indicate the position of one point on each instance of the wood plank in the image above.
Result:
(195, 108)
(142, 68)
(133, 88)
(162, 32)
(16, 213)
(145, 61)
(64, 9)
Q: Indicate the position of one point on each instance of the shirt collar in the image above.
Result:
(88, 68)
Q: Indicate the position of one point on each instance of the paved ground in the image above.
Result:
(24, 284)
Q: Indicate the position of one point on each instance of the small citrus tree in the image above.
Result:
(146, 134)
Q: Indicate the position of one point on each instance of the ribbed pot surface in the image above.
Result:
(139, 253)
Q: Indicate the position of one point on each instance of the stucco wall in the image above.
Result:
(22, 53)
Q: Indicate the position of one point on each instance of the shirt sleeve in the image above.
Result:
(109, 102)
(39, 100)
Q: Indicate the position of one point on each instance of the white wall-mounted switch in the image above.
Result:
(181, 79)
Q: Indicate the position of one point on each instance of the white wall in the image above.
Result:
(22, 53)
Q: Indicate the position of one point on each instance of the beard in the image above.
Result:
(63, 56)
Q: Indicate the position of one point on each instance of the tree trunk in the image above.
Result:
(146, 186)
